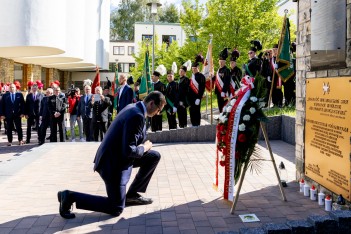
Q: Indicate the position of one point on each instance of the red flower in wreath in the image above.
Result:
(242, 138)
(222, 163)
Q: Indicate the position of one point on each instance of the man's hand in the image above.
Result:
(78, 117)
(181, 104)
(102, 97)
(26, 116)
(147, 146)
(197, 102)
(269, 79)
(57, 114)
(222, 94)
(92, 99)
(275, 66)
(21, 116)
(174, 109)
(2, 117)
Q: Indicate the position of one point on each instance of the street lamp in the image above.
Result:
(153, 5)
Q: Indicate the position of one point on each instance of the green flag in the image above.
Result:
(284, 59)
(145, 82)
(115, 88)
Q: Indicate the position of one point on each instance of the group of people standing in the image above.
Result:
(91, 112)
(181, 95)
(227, 80)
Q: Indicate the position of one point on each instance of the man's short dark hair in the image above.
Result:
(155, 96)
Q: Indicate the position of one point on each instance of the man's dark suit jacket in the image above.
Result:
(126, 98)
(84, 109)
(11, 109)
(121, 142)
(100, 110)
(56, 104)
(32, 107)
(44, 108)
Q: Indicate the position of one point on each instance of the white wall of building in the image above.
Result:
(123, 58)
(146, 28)
(66, 28)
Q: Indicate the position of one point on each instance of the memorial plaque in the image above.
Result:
(328, 34)
(327, 133)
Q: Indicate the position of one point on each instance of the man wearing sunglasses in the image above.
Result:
(123, 148)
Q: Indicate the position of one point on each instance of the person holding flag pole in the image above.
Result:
(145, 82)
(222, 83)
(285, 66)
(115, 86)
(208, 72)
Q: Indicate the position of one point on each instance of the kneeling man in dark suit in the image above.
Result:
(122, 148)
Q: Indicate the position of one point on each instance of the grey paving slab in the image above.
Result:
(184, 200)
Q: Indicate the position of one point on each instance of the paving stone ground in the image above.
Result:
(184, 199)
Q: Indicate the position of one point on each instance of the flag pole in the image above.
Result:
(274, 71)
(211, 36)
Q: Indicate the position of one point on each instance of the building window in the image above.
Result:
(168, 39)
(130, 50)
(192, 38)
(112, 67)
(118, 50)
(125, 67)
(146, 37)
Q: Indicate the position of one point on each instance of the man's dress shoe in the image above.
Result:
(65, 205)
(137, 200)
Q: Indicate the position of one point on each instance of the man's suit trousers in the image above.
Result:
(116, 187)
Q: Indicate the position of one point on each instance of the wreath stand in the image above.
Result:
(236, 196)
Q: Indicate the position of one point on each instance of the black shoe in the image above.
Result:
(116, 213)
(48, 138)
(65, 205)
(40, 142)
(27, 141)
(138, 200)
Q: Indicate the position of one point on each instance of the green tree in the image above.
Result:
(169, 14)
(191, 20)
(234, 23)
(124, 17)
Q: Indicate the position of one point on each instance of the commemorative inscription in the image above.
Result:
(327, 133)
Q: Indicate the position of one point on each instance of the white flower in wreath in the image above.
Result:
(222, 118)
(252, 110)
(229, 108)
(242, 127)
(246, 117)
(232, 101)
(253, 99)
(224, 109)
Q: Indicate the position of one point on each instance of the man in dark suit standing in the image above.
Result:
(31, 110)
(44, 116)
(100, 105)
(122, 149)
(125, 93)
(85, 111)
(12, 109)
(156, 121)
(110, 108)
(57, 107)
